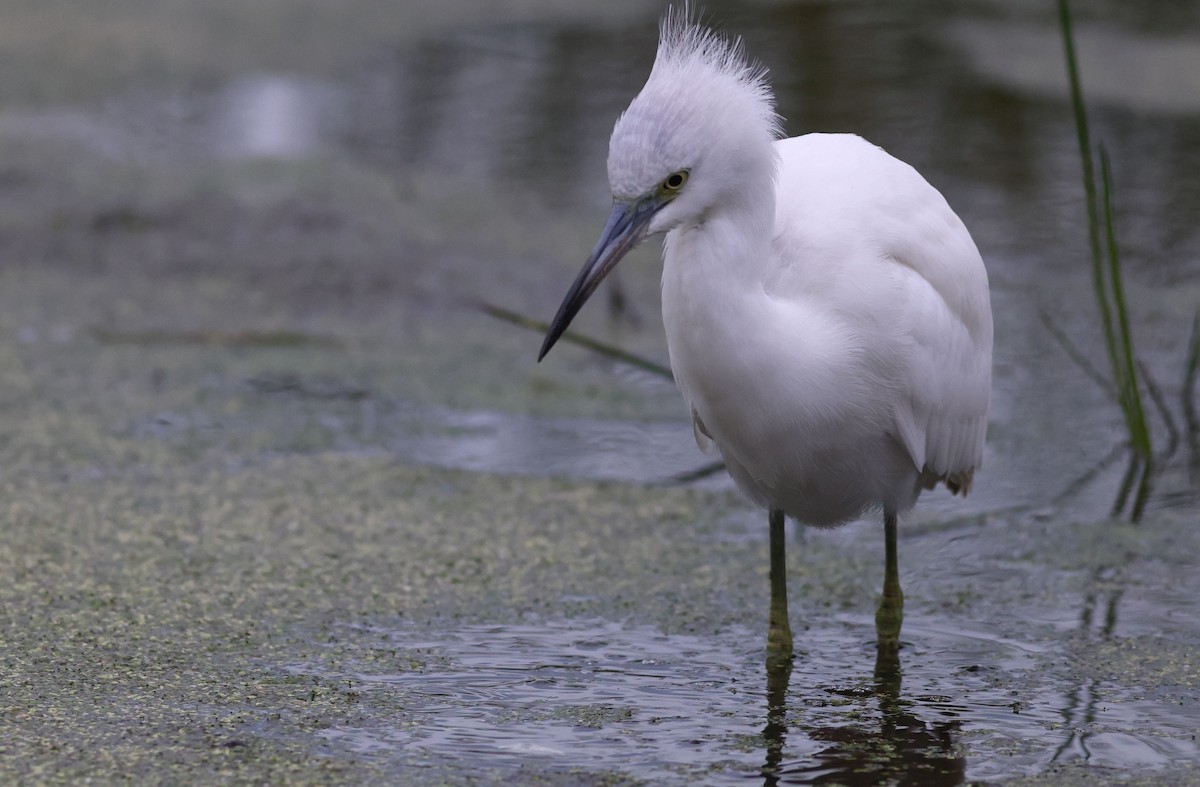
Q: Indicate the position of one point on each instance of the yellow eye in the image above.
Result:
(675, 181)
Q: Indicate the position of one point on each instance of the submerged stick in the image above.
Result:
(1076, 355)
(609, 351)
(1145, 486)
(699, 474)
(1164, 412)
(1127, 480)
(1073, 488)
(217, 338)
(613, 354)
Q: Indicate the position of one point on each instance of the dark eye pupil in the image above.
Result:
(675, 181)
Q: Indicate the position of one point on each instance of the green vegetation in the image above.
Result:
(1110, 292)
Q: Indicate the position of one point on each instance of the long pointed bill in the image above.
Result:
(625, 227)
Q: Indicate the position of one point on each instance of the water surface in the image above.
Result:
(256, 418)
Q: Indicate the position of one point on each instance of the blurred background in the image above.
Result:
(281, 503)
(360, 174)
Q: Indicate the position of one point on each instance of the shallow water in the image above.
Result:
(964, 704)
(363, 200)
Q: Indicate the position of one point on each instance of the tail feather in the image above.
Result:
(959, 483)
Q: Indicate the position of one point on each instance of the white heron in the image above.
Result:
(827, 314)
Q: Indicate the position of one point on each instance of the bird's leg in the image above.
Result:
(779, 631)
(890, 614)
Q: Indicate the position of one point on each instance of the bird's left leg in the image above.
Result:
(890, 614)
(779, 631)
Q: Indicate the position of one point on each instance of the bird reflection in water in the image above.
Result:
(903, 749)
(779, 675)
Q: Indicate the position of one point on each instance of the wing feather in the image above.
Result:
(943, 419)
(845, 203)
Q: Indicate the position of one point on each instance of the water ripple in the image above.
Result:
(597, 696)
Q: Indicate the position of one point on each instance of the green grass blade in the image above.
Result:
(1089, 187)
(1189, 397)
(1128, 388)
(1110, 291)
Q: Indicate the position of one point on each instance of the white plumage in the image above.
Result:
(855, 361)
(826, 312)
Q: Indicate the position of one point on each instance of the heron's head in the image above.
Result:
(698, 136)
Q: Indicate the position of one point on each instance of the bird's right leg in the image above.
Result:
(779, 631)
(890, 614)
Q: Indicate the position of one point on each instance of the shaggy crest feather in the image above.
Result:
(685, 43)
(701, 87)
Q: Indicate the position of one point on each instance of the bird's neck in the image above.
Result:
(713, 274)
(713, 296)
(730, 247)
